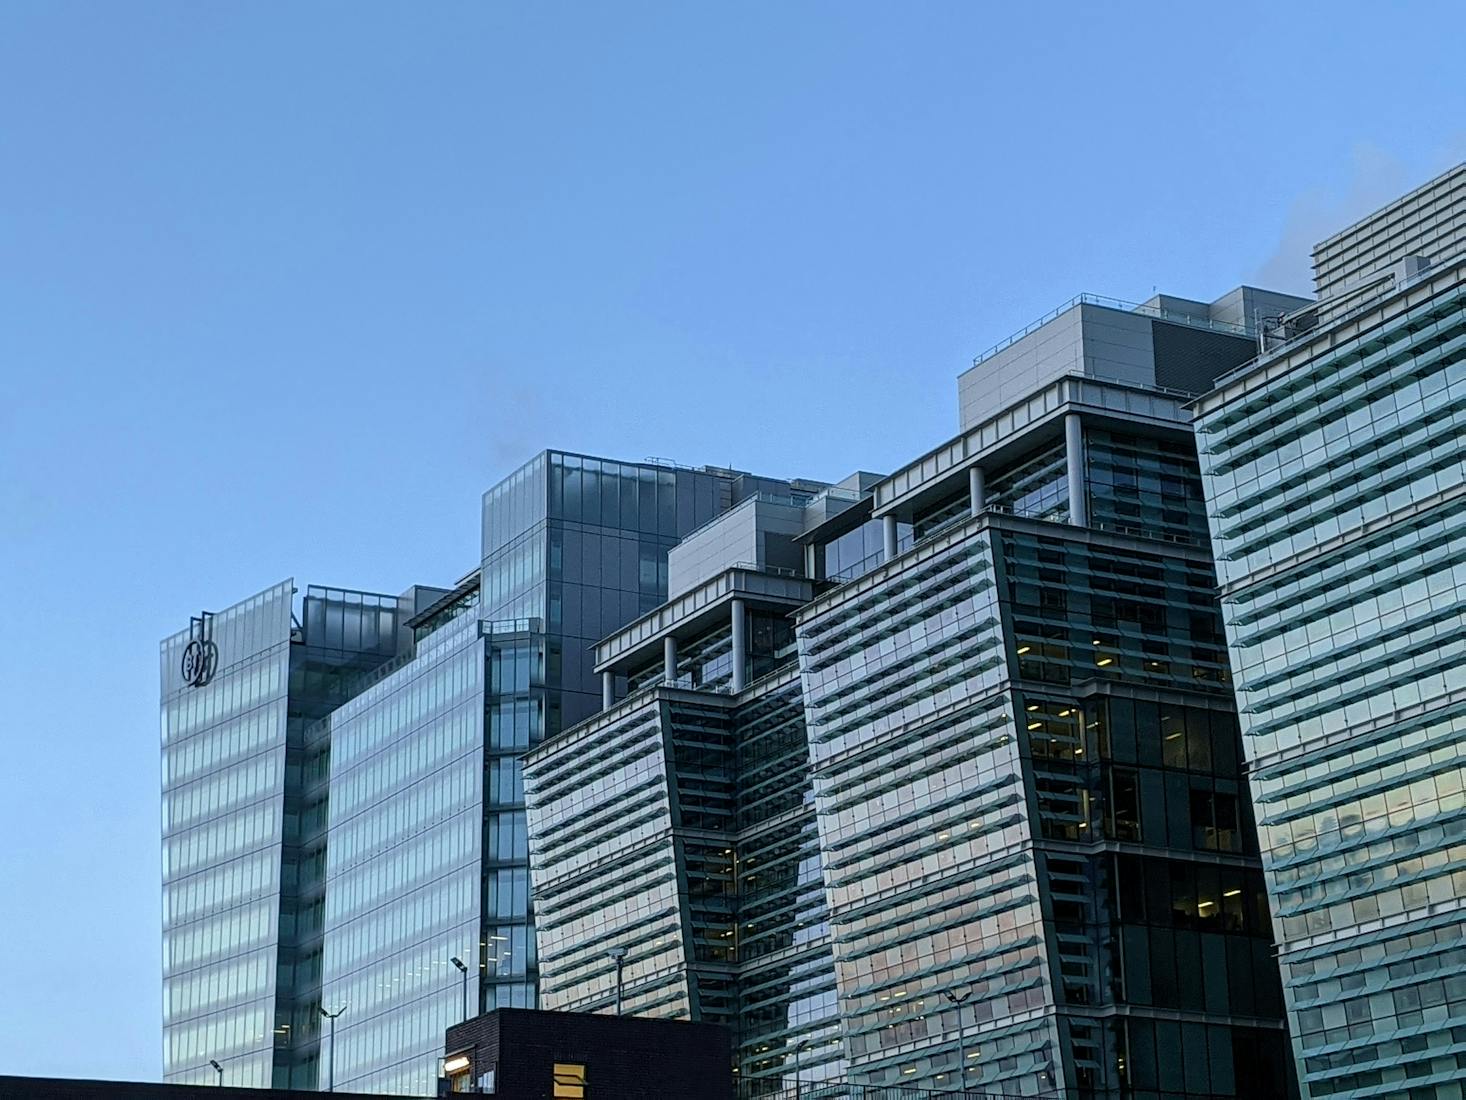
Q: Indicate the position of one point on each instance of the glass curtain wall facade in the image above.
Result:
(223, 796)
(1038, 847)
(1148, 856)
(578, 546)
(691, 843)
(403, 864)
(243, 827)
(932, 888)
(343, 637)
(1017, 781)
(1336, 475)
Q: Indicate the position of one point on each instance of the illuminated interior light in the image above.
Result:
(1230, 893)
(457, 1064)
(1024, 649)
(1106, 661)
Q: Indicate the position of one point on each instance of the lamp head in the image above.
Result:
(216, 1065)
(456, 961)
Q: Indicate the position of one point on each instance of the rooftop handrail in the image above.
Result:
(1169, 391)
(1373, 288)
(772, 570)
(763, 495)
(1181, 317)
(754, 1089)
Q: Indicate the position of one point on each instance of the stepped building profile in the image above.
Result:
(1109, 750)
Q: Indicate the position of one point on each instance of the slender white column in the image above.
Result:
(669, 659)
(811, 560)
(740, 646)
(977, 489)
(888, 530)
(608, 690)
(1074, 456)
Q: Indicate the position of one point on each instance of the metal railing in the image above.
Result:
(839, 1090)
(771, 570)
(1113, 303)
(874, 560)
(1380, 285)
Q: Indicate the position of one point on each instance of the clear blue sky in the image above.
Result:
(283, 288)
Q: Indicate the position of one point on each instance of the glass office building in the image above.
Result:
(678, 827)
(403, 863)
(1336, 479)
(1016, 771)
(1042, 872)
(244, 824)
(343, 806)
(935, 780)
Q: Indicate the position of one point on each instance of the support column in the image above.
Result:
(740, 646)
(608, 690)
(669, 659)
(1074, 459)
(811, 560)
(888, 531)
(977, 489)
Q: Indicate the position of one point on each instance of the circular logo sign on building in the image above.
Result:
(200, 658)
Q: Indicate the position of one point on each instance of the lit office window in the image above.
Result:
(569, 1080)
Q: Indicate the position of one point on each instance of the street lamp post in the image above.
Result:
(331, 1059)
(619, 954)
(961, 1035)
(219, 1081)
(799, 1049)
(456, 961)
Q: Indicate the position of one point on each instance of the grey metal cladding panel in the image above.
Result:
(1027, 365)
(1117, 345)
(1192, 360)
(1258, 303)
(734, 538)
(1190, 307)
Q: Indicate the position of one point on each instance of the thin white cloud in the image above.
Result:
(1376, 177)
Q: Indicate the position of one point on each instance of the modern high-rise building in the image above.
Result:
(1335, 467)
(343, 809)
(677, 827)
(928, 780)
(244, 822)
(934, 780)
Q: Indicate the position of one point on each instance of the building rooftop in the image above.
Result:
(1169, 343)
